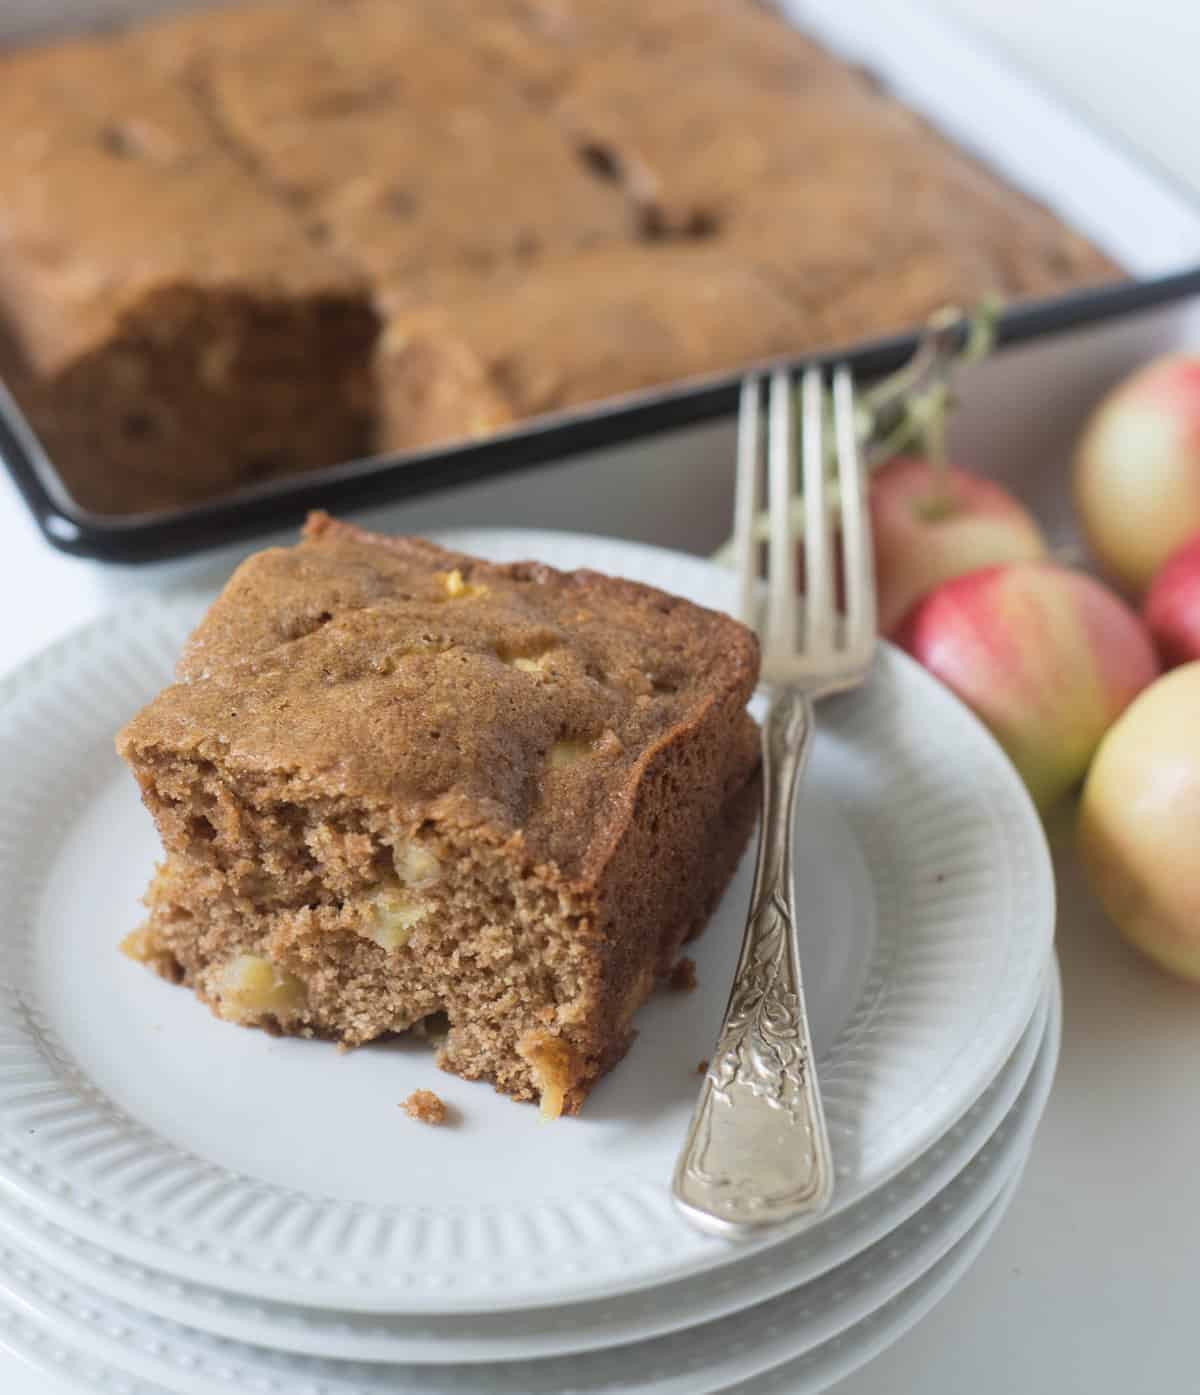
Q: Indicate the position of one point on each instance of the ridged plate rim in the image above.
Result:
(769, 1337)
(543, 1332)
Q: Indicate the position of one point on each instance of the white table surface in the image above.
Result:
(1090, 1283)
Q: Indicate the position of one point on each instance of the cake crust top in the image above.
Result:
(118, 172)
(515, 701)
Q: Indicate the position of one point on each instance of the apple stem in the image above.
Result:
(934, 443)
(910, 406)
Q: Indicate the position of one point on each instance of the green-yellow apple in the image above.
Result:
(1139, 822)
(1137, 470)
(1048, 657)
(930, 526)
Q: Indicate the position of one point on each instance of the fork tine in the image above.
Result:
(748, 490)
(857, 552)
(818, 562)
(781, 552)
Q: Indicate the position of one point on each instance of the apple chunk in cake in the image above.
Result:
(394, 782)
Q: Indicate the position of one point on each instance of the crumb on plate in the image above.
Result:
(426, 1107)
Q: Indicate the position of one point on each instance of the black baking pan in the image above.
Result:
(383, 479)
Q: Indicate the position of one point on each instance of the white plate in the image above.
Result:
(810, 1374)
(701, 1360)
(838, 1358)
(132, 1117)
(540, 1332)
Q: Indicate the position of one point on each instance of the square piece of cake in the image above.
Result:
(395, 783)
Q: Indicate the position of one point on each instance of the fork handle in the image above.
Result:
(757, 1153)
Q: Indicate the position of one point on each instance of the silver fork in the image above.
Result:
(757, 1153)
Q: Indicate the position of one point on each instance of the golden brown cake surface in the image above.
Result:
(512, 698)
(394, 782)
(547, 202)
(587, 327)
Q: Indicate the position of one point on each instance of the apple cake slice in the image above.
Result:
(396, 783)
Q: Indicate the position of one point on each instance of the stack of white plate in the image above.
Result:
(188, 1207)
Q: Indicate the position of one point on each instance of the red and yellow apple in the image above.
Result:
(929, 526)
(1046, 656)
(1139, 822)
(1137, 470)
(1172, 607)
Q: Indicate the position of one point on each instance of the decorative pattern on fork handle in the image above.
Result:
(760, 1087)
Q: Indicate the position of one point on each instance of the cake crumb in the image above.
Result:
(702, 1068)
(682, 978)
(426, 1107)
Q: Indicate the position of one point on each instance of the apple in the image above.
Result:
(1137, 470)
(1046, 656)
(1172, 608)
(1139, 822)
(931, 525)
